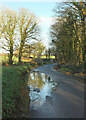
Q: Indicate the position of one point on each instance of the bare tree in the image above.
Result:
(8, 23)
(28, 28)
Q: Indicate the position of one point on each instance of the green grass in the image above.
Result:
(64, 69)
(12, 84)
(73, 68)
(5, 58)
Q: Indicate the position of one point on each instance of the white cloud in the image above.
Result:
(45, 23)
(46, 20)
(45, 40)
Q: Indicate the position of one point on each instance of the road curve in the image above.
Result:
(67, 99)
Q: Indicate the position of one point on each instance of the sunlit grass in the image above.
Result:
(4, 58)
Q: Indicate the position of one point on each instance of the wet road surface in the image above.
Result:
(66, 101)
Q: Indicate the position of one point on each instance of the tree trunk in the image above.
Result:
(46, 56)
(29, 54)
(84, 41)
(20, 50)
(55, 56)
(11, 53)
(10, 56)
(20, 55)
(34, 55)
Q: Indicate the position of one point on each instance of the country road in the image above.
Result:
(67, 101)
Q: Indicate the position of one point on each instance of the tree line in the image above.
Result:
(68, 33)
(17, 29)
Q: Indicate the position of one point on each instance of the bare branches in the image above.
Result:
(8, 24)
(27, 27)
(17, 29)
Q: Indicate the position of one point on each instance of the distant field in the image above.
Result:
(4, 58)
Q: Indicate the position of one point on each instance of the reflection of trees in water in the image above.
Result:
(37, 79)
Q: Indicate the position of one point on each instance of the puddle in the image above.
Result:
(41, 87)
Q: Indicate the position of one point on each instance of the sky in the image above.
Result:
(43, 10)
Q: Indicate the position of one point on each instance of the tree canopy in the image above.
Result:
(68, 32)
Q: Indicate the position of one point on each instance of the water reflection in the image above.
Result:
(41, 86)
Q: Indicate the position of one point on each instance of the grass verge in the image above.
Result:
(14, 94)
(73, 70)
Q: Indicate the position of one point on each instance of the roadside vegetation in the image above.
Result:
(68, 36)
(23, 50)
(15, 93)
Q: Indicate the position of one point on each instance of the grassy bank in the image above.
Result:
(78, 71)
(14, 94)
